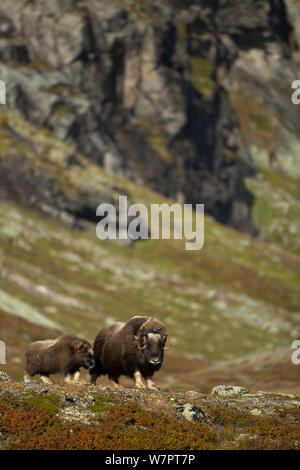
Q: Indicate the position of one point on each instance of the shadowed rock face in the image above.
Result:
(185, 97)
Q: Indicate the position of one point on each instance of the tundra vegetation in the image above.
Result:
(80, 416)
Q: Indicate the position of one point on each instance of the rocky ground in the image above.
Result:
(38, 416)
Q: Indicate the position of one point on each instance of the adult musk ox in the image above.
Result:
(134, 349)
(65, 354)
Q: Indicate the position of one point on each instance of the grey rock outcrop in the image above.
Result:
(186, 98)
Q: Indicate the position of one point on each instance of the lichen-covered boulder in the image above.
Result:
(225, 390)
(4, 377)
(191, 412)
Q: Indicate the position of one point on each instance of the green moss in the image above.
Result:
(99, 405)
(201, 71)
(49, 402)
(29, 401)
(282, 181)
(156, 141)
(143, 10)
(256, 124)
(61, 111)
(276, 208)
(39, 64)
(60, 90)
(261, 121)
(182, 31)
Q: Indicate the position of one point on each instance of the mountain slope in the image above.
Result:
(78, 131)
(237, 295)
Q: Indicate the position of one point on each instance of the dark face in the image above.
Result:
(85, 355)
(152, 346)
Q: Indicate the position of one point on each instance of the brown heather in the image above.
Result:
(38, 416)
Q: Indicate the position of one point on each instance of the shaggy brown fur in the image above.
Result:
(134, 349)
(65, 354)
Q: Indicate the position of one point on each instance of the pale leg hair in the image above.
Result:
(46, 380)
(138, 380)
(27, 378)
(116, 384)
(76, 376)
(151, 384)
(68, 379)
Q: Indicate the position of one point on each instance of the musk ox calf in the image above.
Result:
(64, 354)
(134, 349)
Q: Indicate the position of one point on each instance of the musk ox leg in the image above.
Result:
(27, 378)
(68, 378)
(46, 380)
(95, 372)
(115, 383)
(138, 380)
(71, 378)
(93, 376)
(151, 385)
(76, 376)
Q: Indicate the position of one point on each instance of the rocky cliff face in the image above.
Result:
(187, 98)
